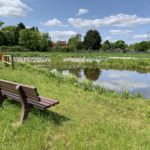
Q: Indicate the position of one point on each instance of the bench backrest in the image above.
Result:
(7, 88)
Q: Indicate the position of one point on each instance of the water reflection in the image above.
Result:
(115, 79)
(92, 74)
(76, 72)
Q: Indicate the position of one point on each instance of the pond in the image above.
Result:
(118, 80)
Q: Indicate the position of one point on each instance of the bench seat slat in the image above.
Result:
(42, 104)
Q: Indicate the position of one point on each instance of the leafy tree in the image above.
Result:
(19, 27)
(106, 45)
(119, 44)
(2, 39)
(80, 45)
(45, 42)
(34, 29)
(92, 40)
(34, 40)
(74, 42)
(24, 38)
(142, 46)
(9, 33)
(1, 24)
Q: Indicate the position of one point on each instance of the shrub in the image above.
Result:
(13, 49)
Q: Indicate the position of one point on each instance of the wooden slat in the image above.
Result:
(49, 101)
(30, 92)
(37, 104)
(6, 93)
(9, 89)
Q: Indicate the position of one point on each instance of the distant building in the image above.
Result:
(62, 44)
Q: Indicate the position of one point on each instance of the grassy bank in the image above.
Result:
(141, 64)
(84, 119)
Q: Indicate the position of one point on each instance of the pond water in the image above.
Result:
(118, 80)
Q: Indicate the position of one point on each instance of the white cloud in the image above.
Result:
(11, 8)
(82, 11)
(53, 22)
(61, 35)
(119, 20)
(140, 36)
(120, 32)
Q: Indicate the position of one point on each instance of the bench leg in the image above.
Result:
(2, 98)
(24, 104)
(24, 112)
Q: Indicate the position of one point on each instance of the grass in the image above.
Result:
(84, 119)
(62, 55)
(140, 65)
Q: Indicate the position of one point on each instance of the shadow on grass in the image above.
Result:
(46, 115)
(49, 116)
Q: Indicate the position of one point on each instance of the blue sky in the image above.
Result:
(127, 20)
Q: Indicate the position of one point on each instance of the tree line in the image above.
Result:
(25, 39)
(21, 38)
(93, 41)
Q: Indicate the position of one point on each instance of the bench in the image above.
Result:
(27, 95)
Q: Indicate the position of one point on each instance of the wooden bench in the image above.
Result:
(27, 95)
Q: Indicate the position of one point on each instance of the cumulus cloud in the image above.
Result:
(82, 11)
(61, 35)
(13, 8)
(53, 22)
(120, 32)
(119, 20)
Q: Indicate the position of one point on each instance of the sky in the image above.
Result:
(127, 20)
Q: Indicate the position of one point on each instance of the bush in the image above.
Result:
(13, 49)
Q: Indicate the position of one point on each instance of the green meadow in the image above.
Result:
(86, 118)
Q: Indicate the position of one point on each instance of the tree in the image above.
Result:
(1, 24)
(74, 42)
(92, 40)
(45, 42)
(34, 29)
(19, 27)
(2, 39)
(142, 46)
(9, 33)
(119, 44)
(24, 38)
(34, 40)
(106, 45)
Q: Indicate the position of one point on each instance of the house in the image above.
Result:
(61, 44)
